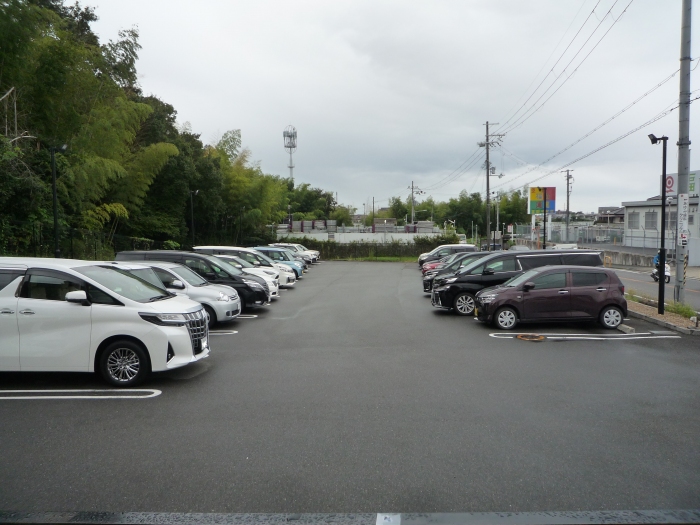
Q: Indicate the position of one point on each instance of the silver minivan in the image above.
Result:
(221, 303)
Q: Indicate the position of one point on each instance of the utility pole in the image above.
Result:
(683, 145)
(544, 222)
(487, 144)
(414, 190)
(413, 205)
(372, 209)
(569, 178)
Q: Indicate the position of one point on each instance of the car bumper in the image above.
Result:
(436, 300)
(427, 285)
(226, 311)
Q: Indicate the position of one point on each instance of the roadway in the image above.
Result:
(641, 281)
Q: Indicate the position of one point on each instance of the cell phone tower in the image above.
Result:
(290, 144)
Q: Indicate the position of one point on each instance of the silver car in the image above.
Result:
(221, 302)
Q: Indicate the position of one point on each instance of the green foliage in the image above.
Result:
(682, 309)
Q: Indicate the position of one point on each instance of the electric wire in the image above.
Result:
(607, 121)
(530, 112)
(659, 116)
(551, 70)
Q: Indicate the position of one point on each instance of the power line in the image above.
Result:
(454, 171)
(530, 112)
(554, 65)
(610, 143)
(607, 121)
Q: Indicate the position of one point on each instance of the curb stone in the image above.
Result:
(687, 331)
(626, 329)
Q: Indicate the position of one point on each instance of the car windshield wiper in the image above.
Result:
(160, 297)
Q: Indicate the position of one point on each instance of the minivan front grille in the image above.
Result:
(198, 328)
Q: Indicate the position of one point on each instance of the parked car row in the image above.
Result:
(509, 287)
(147, 311)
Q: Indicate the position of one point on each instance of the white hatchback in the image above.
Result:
(66, 315)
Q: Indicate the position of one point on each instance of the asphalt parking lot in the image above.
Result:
(352, 394)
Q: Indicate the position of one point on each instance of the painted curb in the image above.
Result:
(665, 324)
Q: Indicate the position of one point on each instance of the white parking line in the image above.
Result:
(222, 332)
(247, 316)
(151, 392)
(585, 337)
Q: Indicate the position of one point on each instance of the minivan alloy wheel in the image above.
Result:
(123, 364)
(464, 304)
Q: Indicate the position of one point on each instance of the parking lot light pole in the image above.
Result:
(662, 250)
(53, 150)
(192, 194)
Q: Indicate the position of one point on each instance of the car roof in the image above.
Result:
(46, 262)
(573, 267)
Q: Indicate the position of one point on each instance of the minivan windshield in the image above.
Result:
(522, 278)
(190, 276)
(148, 275)
(124, 283)
(223, 265)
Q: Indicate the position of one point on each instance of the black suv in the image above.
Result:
(460, 261)
(253, 290)
(457, 291)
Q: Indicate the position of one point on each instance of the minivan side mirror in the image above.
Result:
(210, 276)
(77, 296)
(177, 284)
(239, 266)
(256, 263)
(488, 271)
(528, 286)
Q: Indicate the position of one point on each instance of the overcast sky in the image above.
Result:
(383, 93)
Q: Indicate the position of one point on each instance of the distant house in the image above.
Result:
(610, 215)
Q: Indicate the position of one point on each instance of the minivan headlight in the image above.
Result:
(164, 319)
(223, 297)
(253, 284)
(450, 280)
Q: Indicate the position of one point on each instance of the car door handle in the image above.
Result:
(562, 292)
(600, 289)
(27, 312)
(6, 311)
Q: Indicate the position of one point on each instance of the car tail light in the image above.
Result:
(622, 289)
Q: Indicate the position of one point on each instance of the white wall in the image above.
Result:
(346, 238)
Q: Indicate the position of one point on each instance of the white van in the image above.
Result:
(66, 315)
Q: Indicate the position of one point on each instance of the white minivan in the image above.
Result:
(82, 316)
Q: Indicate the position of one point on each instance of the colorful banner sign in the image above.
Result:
(536, 203)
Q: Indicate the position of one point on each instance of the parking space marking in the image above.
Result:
(222, 332)
(247, 316)
(585, 337)
(80, 394)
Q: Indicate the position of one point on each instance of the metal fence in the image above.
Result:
(645, 242)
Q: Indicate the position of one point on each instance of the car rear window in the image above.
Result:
(588, 278)
(6, 277)
(582, 259)
(528, 262)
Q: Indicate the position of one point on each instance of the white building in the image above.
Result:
(643, 225)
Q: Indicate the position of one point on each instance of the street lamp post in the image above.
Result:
(192, 194)
(53, 150)
(662, 250)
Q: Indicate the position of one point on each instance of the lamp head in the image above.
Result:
(653, 138)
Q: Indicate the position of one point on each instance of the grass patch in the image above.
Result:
(682, 309)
